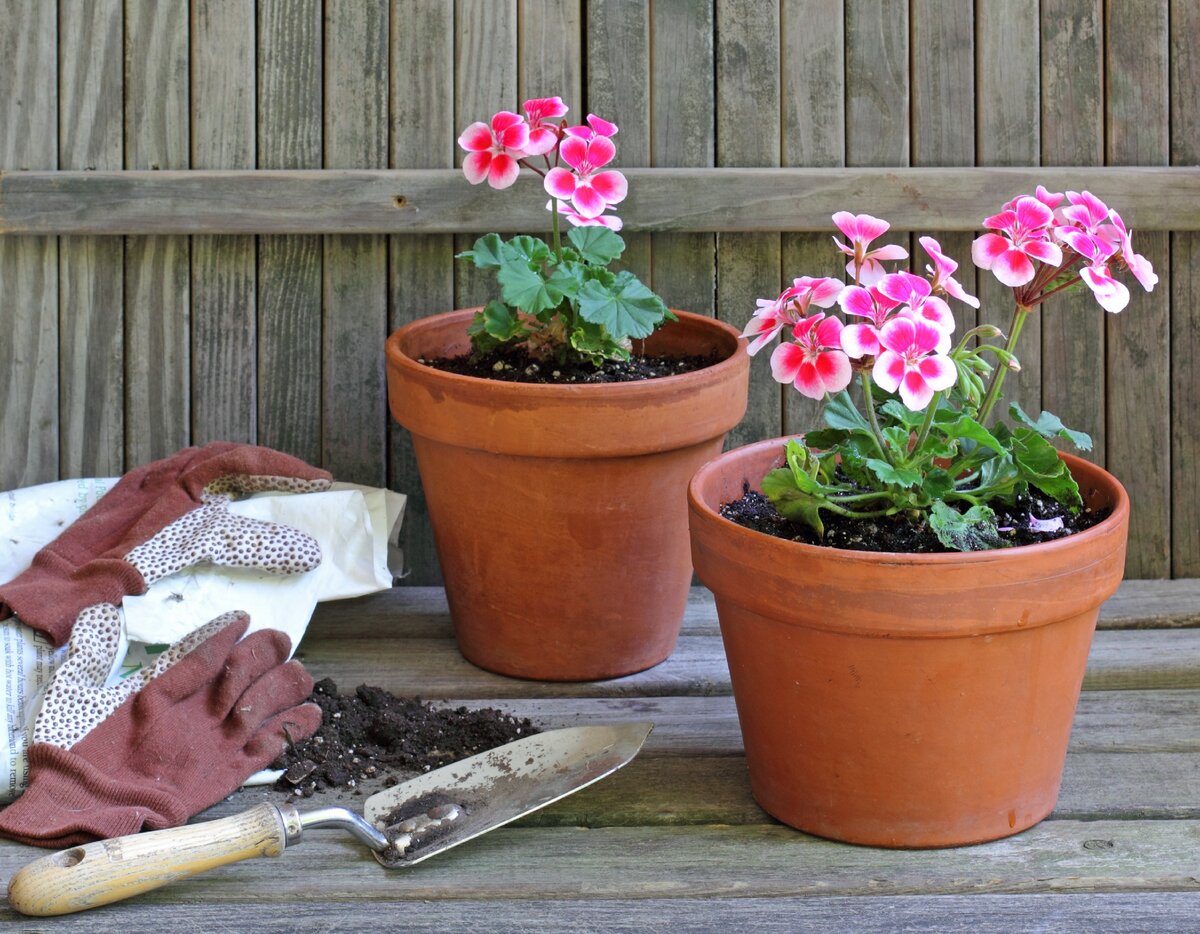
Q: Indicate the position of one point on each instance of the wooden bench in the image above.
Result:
(675, 841)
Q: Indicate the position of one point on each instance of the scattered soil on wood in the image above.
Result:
(372, 735)
(517, 366)
(902, 534)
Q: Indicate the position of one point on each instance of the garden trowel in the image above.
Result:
(403, 825)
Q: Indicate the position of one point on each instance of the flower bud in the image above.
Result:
(1013, 364)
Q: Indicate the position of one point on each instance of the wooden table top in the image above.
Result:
(675, 841)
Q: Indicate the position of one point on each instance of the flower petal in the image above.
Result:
(1047, 252)
(938, 371)
(601, 126)
(833, 368)
(889, 252)
(573, 151)
(988, 248)
(915, 393)
(476, 138)
(855, 300)
(888, 370)
(899, 334)
(1012, 267)
(559, 182)
(860, 340)
(475, 166)
(1112, 295)
(611, 185)
(600, 152)
(541, 141)
(1032, 214)
(503, 171)
(785, 362)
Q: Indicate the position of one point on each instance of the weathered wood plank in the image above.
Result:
(1072, 117)
(224, 389)
(289, 136)
(421, 268)
(749, 264)
(682, 133)
(29, 265)
(355, 315)
(438, 201)
(158, 268)
(90, 269)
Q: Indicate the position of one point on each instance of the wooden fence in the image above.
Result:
(213, 213)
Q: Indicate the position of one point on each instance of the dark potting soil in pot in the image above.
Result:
(518, 366)
(375, 738)
(900, 533)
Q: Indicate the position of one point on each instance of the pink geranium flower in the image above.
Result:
(596, 127)
(815, 364)
(1086, 210)
(1051, 199)
(914, 361)
(1025, 231)
(611, 221)
(917, 295)
(789, 308)
(1116, 234)
(587, 188)
(862, 339)
(494, 151)
(861, 229)
(1111, 293)
(944, 268)
(543, 133)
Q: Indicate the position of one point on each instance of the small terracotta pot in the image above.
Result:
(559, 512)
(904, 700)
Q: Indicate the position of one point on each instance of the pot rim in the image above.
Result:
(1119, 514)
(564, 391)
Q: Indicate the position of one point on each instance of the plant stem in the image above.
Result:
(557, 241)
(858, 497)
(849, 513)
(993, 392)
(930, 412)
(880, 442)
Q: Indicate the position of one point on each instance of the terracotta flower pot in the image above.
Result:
(559, 512)
(904, 700)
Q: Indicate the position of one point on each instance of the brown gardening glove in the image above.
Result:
(203, 723)
(157, 520)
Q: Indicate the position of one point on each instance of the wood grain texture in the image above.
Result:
(224, 375)
(29, 265)
(421, 268)
(355, 286)
(157, 268)
(289, 72)
(877, 84)
(749, 264)
(1138, 342)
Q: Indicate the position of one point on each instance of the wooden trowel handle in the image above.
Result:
(111, 870)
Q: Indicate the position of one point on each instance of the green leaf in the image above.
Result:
(974, 530)
(488, 252)
(1051, 427)
(840, 412)
(598, 246)
(937, 483)
(627, 308)
(898, 439)
(779, 486)
(1039, 465)
(901, 476)
(527, 289)
(822, 439)
(966, 427)
(527, 249)
(899, 412)
(500, 322)
(593, 342)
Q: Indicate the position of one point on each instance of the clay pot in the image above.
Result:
(904, 700)
(559, 512)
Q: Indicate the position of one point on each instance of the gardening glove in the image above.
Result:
(186, 739)
(157, 520)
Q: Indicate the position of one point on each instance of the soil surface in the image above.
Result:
(901, 534)
(517, 366)
(372, 735)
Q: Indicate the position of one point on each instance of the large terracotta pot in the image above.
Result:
(903, 700)
(559, 512)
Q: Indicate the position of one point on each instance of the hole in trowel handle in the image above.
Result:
(70, 858)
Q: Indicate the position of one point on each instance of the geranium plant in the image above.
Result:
(558, 299)
(924, 444)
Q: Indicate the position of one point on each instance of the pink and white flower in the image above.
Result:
(596, 127)
(864, 263)
(862, 339)
(1051, 199)
(913, 361)
(1111, 293)
(1086, 210)
(1025, 238)
(611, 221)
(541, 112)
(917, 295)
(493, 150)
(1116, 233)
(587, 188)
(944, 267)
(815, 364)
(789, 308)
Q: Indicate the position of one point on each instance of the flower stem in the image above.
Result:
(880, 442)
(993, 391)
(930, 412)
(557, 241)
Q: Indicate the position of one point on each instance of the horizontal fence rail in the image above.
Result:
(430, 201)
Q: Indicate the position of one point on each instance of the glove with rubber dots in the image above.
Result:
(158, 519)
(164, 745)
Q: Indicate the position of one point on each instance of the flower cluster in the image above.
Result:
(921, 441)
(558, 300)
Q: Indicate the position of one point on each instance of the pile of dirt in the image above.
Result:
(518, 366)
(373, 735)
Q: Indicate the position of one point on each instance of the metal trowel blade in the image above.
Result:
(498, 786)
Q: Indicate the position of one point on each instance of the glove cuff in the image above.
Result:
(49, 595)
(69, 802)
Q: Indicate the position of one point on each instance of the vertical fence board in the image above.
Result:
(354, 409)
(683, 129)
(157, 269)
(748, 264)
(1007, 107)
(813, 43)
(1138, 341)
(1185, 301)
(223, 267)
(618, 89)
(290, 69)
(422, 268)
(551, 37)
(29, 265)
(1072, 79)
(91, 269)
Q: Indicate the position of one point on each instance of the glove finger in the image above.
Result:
(248, 468)
(178, 650)
(242, 542)
(93, 648)
(199, 668)
(254, 656)
(280, 688)
(270, 740)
